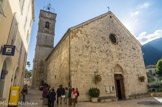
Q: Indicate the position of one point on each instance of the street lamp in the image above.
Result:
(28, 63)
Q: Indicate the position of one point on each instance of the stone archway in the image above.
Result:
(119, 82)
(5, 77)
(118, 69)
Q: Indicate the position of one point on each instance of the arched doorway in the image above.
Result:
(5, 80)
(119, 82)
(2, 80)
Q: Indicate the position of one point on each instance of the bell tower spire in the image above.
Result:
(49, 8)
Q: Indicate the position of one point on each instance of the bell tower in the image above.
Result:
(44, 46)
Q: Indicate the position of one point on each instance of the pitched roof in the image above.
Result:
(77, 26)
(126, 29)
(90, 21)
(101, 16)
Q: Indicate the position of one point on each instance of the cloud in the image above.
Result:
(140, 8)
(145, 38)
(132, 14)
(131, 24)
(135, 17)
(145, 5)
(134, 20)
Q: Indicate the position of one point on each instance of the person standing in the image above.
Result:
(59, 94)
(66, 95)
(44, 95)
(70, 100)
(77, 94)
(48, 95)
(24, 92)
(52, 98)
(41, 86)
(73, 97)
(62, 96)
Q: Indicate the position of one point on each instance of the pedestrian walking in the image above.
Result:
(73, 97)
(63, 96)
(66, 96)
(44, 95)
(24, 92)
(70, 99)
(48, 95)
(60, 95)
(52, 98)
(76, 94)
(42, 86)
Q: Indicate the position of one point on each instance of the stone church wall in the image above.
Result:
(91, 53)
(58, 65)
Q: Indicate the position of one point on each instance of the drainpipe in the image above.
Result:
(69, 62)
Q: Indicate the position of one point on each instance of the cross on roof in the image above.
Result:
(49, 7)
(108, 8)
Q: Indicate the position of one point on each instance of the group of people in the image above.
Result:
(65, 96)
(43, 85)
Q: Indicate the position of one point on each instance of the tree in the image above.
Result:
(150, 77)
(159, 67)
(28, 73)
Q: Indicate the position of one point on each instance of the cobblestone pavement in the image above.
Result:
(35, 97)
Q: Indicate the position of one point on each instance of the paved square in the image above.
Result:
(35, 96)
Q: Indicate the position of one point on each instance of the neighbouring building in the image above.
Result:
(28, 82)
(100, 46)
(16, 18)
(151, 69)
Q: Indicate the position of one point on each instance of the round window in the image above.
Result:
(112, 38)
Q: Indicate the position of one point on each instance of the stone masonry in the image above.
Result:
(86, 50)
(44, 45)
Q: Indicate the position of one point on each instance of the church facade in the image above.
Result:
(101, 47)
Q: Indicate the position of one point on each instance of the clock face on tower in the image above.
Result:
(48, 15)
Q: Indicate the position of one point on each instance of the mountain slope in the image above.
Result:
(152, 51)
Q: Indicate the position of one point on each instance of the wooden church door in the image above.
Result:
(119, 84)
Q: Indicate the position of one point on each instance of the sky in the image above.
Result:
(143, 18)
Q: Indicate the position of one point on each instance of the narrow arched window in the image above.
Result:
(47, 25)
